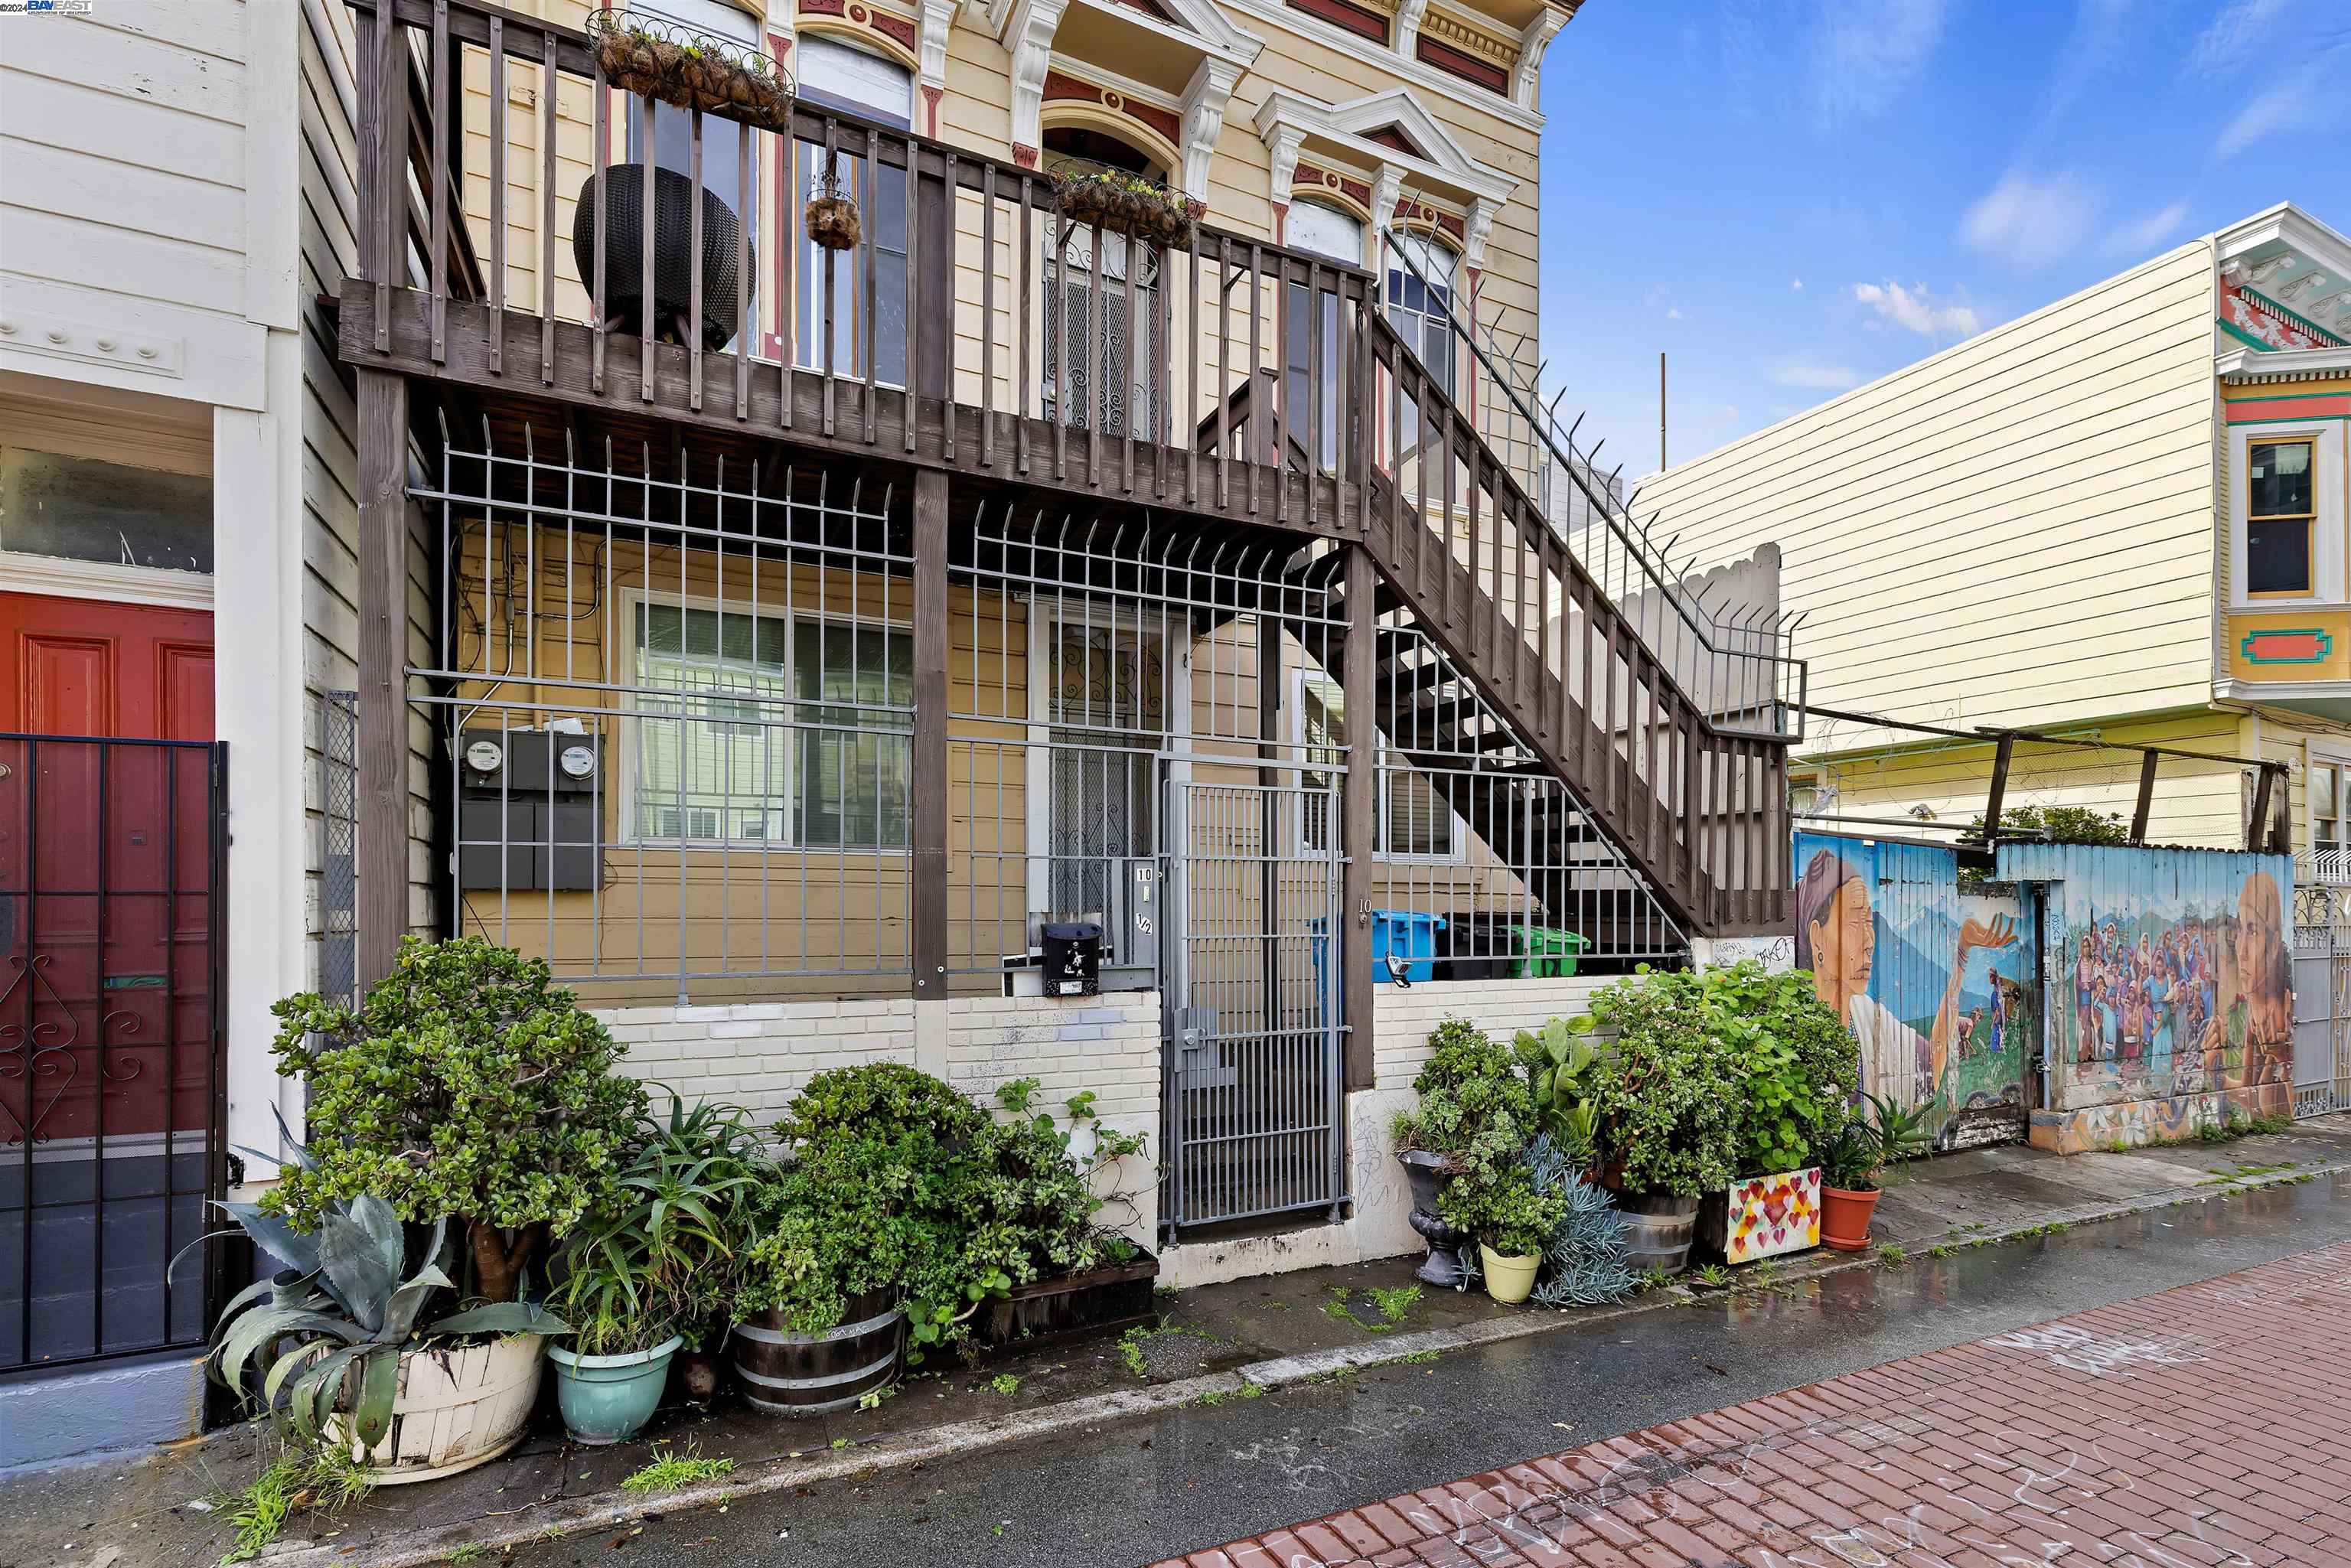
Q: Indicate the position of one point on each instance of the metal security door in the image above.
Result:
(2321, 999)
(1252, 1073)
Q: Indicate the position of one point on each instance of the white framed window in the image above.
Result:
(2281, 510)
(1417, 825)
(2289, 505)
(1421, 301)
(1325, 231)
(791, 730)
(2326, 785)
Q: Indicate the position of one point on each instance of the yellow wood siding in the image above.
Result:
(2017, 531)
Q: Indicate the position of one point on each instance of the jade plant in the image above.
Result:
(1665, 1107)
(1478, 1110)
(1797, 1065)
(465, 1086)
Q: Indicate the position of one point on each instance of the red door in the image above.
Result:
(106, 872)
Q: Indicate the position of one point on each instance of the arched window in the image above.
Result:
(1323, 230)
(1421, 301)
(1130, 351)
(833, 75)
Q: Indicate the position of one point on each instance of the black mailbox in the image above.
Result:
(1073, 958)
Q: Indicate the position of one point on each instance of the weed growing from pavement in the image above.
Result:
(1004, 1382)
(1394, 1302)
(1939, 1251)
(1713, 1276)
(468, 1552)
(1131, 1343)
(1892, 1255)
(1420, 1358)
(668, 1471)
(324, 1477)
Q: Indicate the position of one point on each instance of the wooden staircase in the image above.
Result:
(1692, 796)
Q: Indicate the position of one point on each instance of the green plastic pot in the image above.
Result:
(606, 1399)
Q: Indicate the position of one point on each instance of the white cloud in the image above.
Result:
(2144, 235)
(1798, 285)
(2030, 220)
(1865, 54)
(2240, 25)
(1672, 315)
(2300, 100)
(1815, 376)
(1915, 309)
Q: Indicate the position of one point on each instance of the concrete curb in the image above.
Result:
(604, 1511)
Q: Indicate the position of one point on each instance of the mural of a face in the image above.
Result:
(2263, 967)
(1841, 933)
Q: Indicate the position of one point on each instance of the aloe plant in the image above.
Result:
(327, 1330)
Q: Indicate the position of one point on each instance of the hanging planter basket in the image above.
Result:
(1122, 204)
(831, 218)
(655, 58)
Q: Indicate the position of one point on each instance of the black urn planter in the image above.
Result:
(1428, 1174)
(625, 206)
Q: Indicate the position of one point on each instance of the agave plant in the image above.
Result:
(328, 1331)
(1559, 1061)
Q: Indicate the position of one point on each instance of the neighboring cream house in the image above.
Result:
(2122, 517)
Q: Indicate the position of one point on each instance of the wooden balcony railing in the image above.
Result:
(972, 329)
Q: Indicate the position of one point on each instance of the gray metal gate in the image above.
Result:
(1253, 1080)
(2321, 999)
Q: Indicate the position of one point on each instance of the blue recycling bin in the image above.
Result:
(1406, 935)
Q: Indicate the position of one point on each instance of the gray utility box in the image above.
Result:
(530, 819)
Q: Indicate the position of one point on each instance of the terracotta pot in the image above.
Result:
(1844, 1218)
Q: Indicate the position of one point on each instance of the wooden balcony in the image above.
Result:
(1245, 386)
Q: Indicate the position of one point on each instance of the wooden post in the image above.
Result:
(2259, 818)
(382, 681)
(2281, 822)
(1994, 803)
(1358, 818)
(2146, 798)
(929, 907)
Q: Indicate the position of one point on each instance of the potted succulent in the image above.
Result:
(1583, 1255)
(629, 1280)
(1850, 1164)
(1795, 1067)
(1663, 1111)
(1518, 1220)
(1477, 1111)
(340, 1356)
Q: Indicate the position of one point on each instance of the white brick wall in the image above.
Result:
(758, 1054)
(1108, 1044)
(1403, 1017)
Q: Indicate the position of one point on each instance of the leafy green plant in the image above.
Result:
(1478, 1110)
(1004, 1382)
(327, 1330)
(1665, 1100)
(1396, 1301)
(1798, 1066)
(668, 1471)
(466, 1086)
(1893, 1255)
(1560, 1064)
(1713, 1276)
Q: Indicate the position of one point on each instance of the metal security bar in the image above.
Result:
(113, 980)
(1253, 1085)
(338, 841)
(2321, 999)
(673, 697)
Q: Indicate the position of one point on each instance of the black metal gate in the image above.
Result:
(112, 983)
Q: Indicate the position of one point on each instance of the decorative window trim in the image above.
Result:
(1397, 61)
(2310, 443)
(1027, 28)
(62, 577)
(1285, 119)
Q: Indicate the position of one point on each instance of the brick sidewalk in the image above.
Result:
(2198, 1427)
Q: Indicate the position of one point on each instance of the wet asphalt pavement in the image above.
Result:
(1137, 1492)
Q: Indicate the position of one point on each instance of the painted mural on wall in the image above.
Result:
(1935, 981)
(2171, 978)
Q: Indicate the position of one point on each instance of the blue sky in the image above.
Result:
(1792, 197)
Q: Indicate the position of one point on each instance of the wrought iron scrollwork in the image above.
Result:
(29, 1052)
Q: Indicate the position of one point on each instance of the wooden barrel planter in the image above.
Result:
(788, 1373)
(1658, 1230)
(1101, 1301)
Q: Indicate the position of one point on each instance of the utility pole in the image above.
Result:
(1661, 410)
